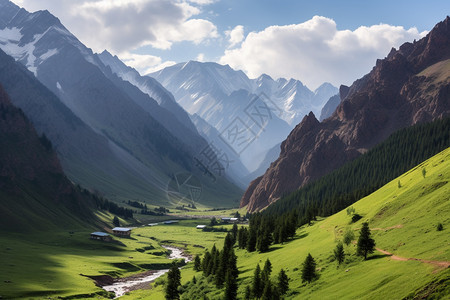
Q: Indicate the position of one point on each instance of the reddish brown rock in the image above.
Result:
(395, 94)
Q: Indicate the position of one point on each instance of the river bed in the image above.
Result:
(141, 281)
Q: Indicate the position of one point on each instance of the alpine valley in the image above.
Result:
(197, 181)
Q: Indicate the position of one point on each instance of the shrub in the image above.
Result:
(356, 218)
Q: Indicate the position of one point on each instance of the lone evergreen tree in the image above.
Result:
(116, 221)
(309, 269)
(365, 244)
(173, 282)
(197, 263)
(283, 282)
(339, 254)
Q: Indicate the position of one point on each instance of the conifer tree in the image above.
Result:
(257, 284)
(264, 240)
(206, 263)
(197, 263)
(173, 282)
(231, 277)
(309, 269)
(248, 293)
(267, 293)
(365, 244)
(339, 253)
(283, 282)
(242, 237)
(251, 241)
(234, 233)
(265, 275)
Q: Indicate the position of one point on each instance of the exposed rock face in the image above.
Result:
(411, 85)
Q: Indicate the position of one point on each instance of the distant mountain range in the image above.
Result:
(218, 95)
(411, 85)
(125, 140)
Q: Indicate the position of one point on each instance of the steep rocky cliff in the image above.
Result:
(411, 85)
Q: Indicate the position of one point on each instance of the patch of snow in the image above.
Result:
(10, 35)
(48, 54)
(58, 86)
(9, 42)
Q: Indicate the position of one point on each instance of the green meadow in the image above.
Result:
(49, 264)
(403, 215)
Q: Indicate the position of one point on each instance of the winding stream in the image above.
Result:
(125, 285)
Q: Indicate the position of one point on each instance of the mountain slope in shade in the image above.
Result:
(270, 157)
(219, 94)
(82, 151)
(34, 192)
(329, 108)
(107, 105)
(411, 85)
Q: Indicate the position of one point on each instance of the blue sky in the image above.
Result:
(255, 15)
(281, 38)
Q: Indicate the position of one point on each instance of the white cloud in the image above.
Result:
(200, 57)
(202, 2)
(315, 51)
(145, 64)
(235, 36)
(123, 25)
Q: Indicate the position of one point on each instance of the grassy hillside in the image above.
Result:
(403, 221)
(406, 219)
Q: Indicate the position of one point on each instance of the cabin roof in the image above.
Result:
(99, 233)
(124, 229)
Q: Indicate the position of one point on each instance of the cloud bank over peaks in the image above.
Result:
(316, 51)
(123, 25)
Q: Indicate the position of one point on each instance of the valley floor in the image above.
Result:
(412, 260)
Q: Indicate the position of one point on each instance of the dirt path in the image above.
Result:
(384, 229)
(439, 264)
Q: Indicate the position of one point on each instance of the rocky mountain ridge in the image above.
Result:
(411, 85)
